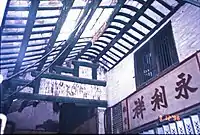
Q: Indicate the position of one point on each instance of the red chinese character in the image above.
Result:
(160, 118)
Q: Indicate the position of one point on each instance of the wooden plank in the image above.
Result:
(89, 44)
(85, 64)
(60, 69)
(150, 33)
(22, 33)
(20, 82)
(74, 37)
(18, 8)
(87, 102)
(165, 4)
(125, 29)
(70, 78)
(31, 19)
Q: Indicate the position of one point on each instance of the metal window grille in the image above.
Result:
(155, 56)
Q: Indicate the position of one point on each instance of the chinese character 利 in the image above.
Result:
(159, 99)
(139, 108)
(183, 86)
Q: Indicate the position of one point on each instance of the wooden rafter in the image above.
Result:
(67, 4)
(74, 37)
(29, 26)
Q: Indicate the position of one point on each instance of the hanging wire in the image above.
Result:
(28, 68)
(22, 71)
(12, 76)
(36, 63)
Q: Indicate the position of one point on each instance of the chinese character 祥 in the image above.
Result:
(183, 86)
(139, 108)
(159, 99)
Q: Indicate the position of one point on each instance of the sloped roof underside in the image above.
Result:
(102, 32)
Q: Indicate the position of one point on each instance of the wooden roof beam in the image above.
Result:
(74, 37)
(26, 37)
(125, 29)
(67, 4)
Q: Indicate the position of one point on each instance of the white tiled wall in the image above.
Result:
(186, 29)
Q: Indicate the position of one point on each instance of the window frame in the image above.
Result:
(171, 54)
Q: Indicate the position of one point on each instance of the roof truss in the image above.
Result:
(115, 41)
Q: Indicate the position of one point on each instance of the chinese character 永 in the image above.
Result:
(183, 86)
(159, 99)
(139, 108)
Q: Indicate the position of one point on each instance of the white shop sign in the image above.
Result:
(175, 91)
(71, 89)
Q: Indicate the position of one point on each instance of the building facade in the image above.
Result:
(127, 87)
(142, 64)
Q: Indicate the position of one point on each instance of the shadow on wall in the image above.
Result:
(49, 125)
(88, 127)
(10, 127)
(44, 116)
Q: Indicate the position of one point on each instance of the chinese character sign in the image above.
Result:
(71, 89)
(125, 115)
(139, 108)
(159, 99)
(177, 90)
(183, 86)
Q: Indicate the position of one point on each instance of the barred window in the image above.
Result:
(155, 56)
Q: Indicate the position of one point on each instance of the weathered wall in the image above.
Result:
(186, 29)
(30, 117)
(88, 127)
(93, 125)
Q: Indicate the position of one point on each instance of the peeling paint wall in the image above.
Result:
(31, 117)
